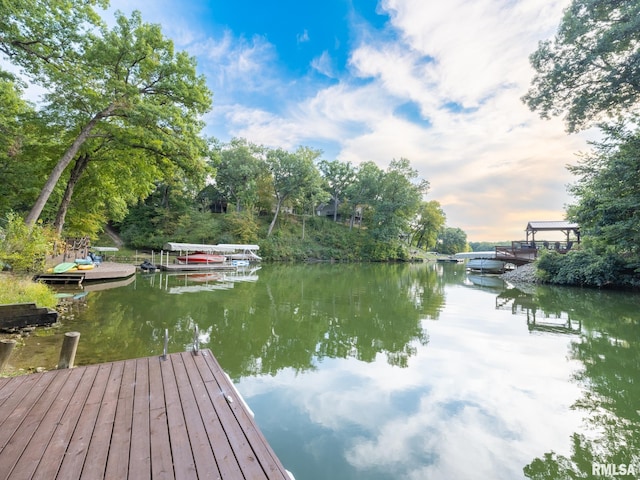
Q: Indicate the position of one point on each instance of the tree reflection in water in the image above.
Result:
(607, 345)
(286, 316)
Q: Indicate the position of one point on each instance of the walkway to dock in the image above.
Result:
(178, 417)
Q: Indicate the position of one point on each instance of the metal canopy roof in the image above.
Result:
(549, 226)
(200, 247)
(553, 226)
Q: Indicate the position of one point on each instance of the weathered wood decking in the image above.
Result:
(105, 271)
(173, 418)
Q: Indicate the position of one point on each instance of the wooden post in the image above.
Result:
(68, 351)
(6, 347)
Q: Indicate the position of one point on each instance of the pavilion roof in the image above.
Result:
(551, 226)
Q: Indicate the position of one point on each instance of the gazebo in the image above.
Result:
(560, 226)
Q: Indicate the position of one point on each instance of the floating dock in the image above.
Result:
(173, 417)
(105, 271)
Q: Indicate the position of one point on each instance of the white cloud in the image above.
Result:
(472, 414)
(324, 65)
(303, 37)
(463, 64)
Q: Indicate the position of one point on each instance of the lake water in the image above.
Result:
(418, 371)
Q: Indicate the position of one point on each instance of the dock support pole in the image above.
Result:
(6, 347)
(68, 351)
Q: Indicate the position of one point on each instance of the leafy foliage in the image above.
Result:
(590, 71)
(240, 169)
(452, 240)
(15, 289)
(608, 209)
(428, 222)
(22, 248)
(587, 268)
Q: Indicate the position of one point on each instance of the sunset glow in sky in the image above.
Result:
(438, 83)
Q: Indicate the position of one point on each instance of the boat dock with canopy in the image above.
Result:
(231, 251)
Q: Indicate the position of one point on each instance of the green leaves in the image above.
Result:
(608, 208)
(113, 95)
(590, 72)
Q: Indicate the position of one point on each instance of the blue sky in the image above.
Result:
(438, 83)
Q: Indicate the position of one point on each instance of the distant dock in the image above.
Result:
(173, 417)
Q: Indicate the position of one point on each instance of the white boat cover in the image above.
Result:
(487, 254)
(201, 247)
(195, 247)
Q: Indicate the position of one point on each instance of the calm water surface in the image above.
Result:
(395, 371)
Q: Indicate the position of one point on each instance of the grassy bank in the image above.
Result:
(22, 289)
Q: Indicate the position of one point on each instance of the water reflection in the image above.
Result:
(544, 312)
(608, 349)
(262, 321)
(399, 371)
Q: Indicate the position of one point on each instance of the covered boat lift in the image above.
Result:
(232, 251)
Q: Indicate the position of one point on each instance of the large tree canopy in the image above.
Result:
(590, 71)
(125, 85)
(608, 208)
(292, 175)
(240, 168)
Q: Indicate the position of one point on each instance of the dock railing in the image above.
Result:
(522, 251)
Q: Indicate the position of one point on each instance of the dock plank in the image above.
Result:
(140, 454)
(225, 457)
(72, 394)
(20, 404)
(265, 457)
(118, 461)
(25, 424)
(76, 450)
(183, 462)
(98, 448)
(174, 417)
(200, 447)
(74, 418)
(161, 462)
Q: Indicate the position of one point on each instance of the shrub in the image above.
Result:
(24, 249)
(22, 290)
(587, 268)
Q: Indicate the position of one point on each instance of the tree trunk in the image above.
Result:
(76, 173)
(335, 209)
(62, 164)
(275, 217)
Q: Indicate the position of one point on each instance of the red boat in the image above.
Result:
(201, 257)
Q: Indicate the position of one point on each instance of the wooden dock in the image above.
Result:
(105, 271)
(178, 417)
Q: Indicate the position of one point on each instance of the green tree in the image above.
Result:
(427, 223)
(590, 71)
(18, 132)
(452, 240)
(397, 201)
(608, 208)
(46, 39)
(127, 77)
(364, 191)
(22, 248)
(239, 171)
(339, 176)
(291, 174)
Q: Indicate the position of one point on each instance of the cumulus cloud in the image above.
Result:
(462, 65)
(483, 425)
